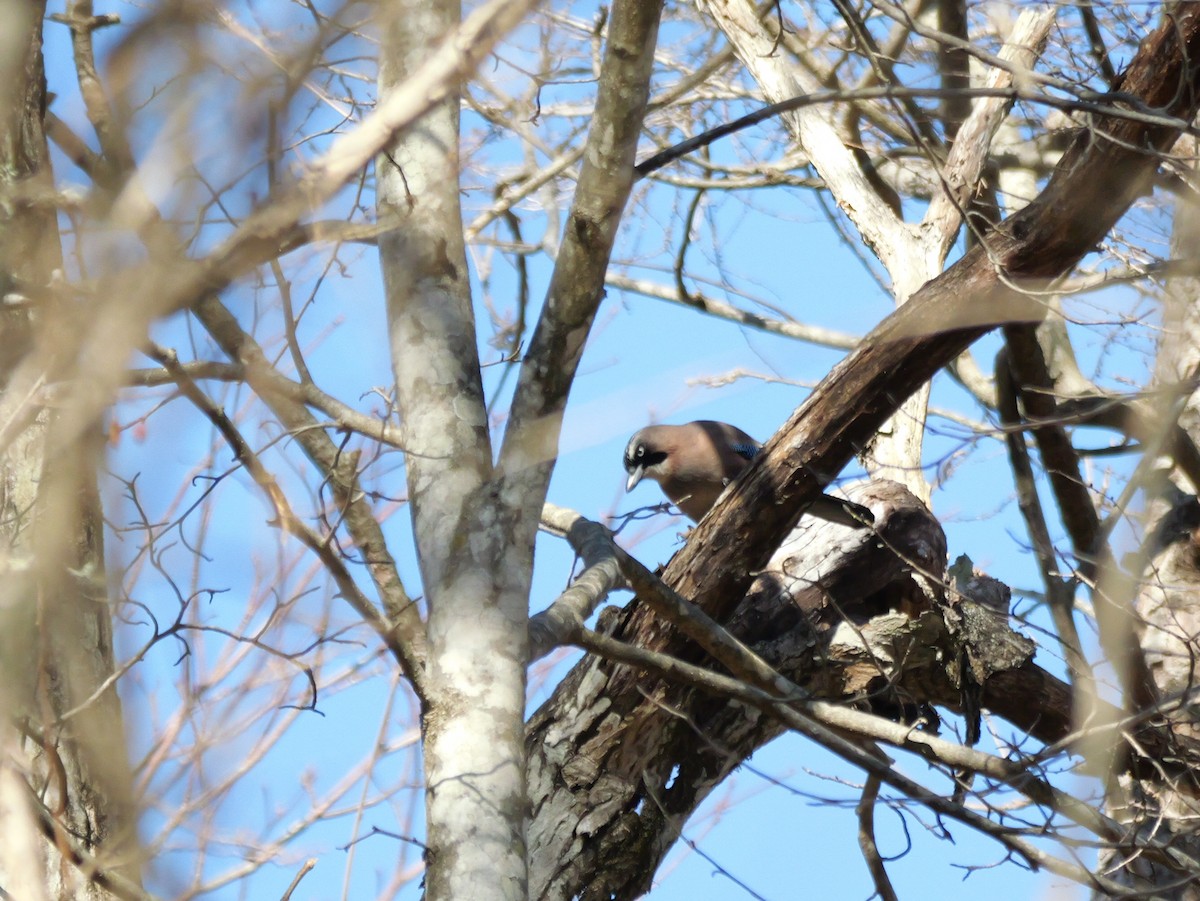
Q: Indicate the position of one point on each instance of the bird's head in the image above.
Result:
(646, 455)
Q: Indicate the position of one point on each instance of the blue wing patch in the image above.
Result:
(746, 451)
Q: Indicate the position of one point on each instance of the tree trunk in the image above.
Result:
(65, 774)
(474, 566)
(1168, 602)
(614, 768)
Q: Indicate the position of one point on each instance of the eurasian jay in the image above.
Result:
(694, 462)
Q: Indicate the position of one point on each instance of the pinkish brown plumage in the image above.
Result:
(693, 463)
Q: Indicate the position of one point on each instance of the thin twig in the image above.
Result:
(866, 840)
(304, 871)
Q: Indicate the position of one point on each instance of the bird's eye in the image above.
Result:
(640, 452)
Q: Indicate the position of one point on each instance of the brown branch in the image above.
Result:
(198, 370)
(833, 739)
(1097, 105)
(1137, 418)
(90, 868)
(407, 636)
(285, 518)
(1096, 44)
(77, 150)
(114, 144)
(577, 283)
(1037, 394)
(295, 883)
(954, 65)
(814, 334)
(344, 416)
(1059, 591)
(866, 840)
(1037, 244)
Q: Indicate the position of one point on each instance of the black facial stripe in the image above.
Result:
(639, 456)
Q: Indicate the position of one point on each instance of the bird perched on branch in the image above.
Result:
(694, 462)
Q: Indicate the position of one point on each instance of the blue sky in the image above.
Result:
(646, 361)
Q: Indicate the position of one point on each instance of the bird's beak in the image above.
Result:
(634, 477)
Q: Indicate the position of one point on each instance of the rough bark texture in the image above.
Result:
(22, 156)
(65, 775)
(583, 744)
(846, 614)
(76, 732)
